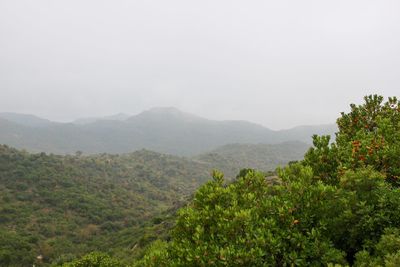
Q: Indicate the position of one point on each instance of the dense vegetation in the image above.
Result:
(368, 136)
(339, 206)
(62, 206)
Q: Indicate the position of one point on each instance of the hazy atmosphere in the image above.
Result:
(161, 133)
(271, 62)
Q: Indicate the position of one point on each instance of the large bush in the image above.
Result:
(301, 222)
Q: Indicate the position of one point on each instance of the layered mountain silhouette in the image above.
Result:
(115, 117)
(165, 130)
(24, 119)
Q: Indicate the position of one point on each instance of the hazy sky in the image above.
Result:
(278, 63)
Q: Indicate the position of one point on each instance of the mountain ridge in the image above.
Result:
(165, 130)
(115, 117)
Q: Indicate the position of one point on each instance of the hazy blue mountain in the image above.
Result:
(24, 119)
(165, 130)
(115, 117)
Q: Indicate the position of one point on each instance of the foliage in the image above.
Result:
(155, 255)
(61, 207)
(385, 253)
(369, 135)
(14, 248)
(302, 222)
(67, 206)
(95, 259)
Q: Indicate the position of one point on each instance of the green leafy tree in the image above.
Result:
(369, 135)
(385, 253)
(299, 222)
(251, 223)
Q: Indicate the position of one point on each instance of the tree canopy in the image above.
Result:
(369, 135)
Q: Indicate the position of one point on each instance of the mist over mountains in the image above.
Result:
(115, 117)
(165, 130)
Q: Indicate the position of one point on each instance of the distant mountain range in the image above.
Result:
(115, 117)
(24, 119)
(165, 130)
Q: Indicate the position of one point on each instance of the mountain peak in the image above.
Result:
(163, 110)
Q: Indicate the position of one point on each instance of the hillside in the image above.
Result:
(59, 206)
(165, 130)
(24, 119)
(232, 158)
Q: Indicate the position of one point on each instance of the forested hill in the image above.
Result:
(232, 158)
(165, 130)
(62, 206)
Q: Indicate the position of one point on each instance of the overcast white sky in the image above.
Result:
(277, 63)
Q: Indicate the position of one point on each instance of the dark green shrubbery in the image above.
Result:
(301, 222)
(368, 136)
(95, 259)
(61, 207)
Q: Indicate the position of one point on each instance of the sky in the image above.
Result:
(277, 63)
